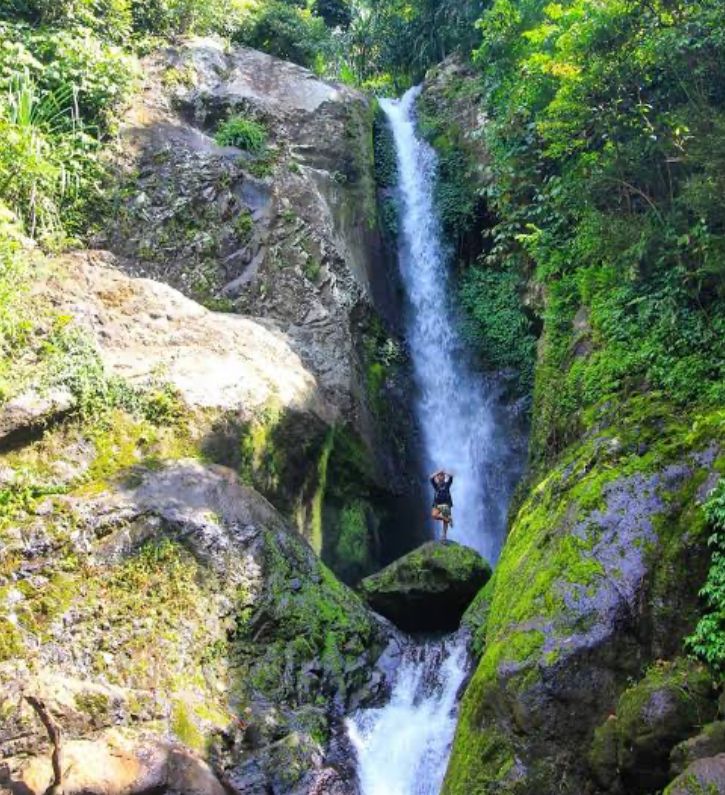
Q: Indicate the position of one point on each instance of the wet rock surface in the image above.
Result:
(428, 589)
(630, 750)
(709, 742)
(227, 655)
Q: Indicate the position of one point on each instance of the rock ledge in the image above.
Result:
(428, 589)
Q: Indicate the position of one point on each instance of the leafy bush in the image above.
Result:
(496, 324)
(606, 137)
(170, 17)
(59, 93)
(286, 31)
(708, 640)
(42, 163)
(241, 132)
(15, 321)
(110, 18)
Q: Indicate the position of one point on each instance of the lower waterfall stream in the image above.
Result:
(403, 747)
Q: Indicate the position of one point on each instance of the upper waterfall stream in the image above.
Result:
(403, 747)
(456, 406)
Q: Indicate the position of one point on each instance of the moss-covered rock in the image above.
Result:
(709, 742)
(201, 611)
(598, 579)
(703, 777)
(429, 588)
(630, 750)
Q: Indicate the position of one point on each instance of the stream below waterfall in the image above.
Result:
(403, 747)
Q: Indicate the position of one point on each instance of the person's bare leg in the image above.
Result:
(445, 530)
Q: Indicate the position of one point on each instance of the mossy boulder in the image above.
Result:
(630, 750)
(703, 777)
(428, 589)
(205, 616)
(598, 579)
(709, 742)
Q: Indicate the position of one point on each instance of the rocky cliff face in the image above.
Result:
(199, 412)
(287, 233)
(580, 686)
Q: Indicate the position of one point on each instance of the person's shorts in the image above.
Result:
(444, 510)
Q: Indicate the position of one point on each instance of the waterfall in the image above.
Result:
(403, 747)
(457, 407)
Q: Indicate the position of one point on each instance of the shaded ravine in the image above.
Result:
(403, 747)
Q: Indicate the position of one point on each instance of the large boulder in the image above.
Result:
(709, 742)
(630, 750)
(288, 235)
(428, 589)
(703, 777)
(598, 580)
(178, 603)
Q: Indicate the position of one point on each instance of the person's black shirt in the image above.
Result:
(442, 491)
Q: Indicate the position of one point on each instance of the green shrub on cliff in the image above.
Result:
(606, 135)
(495, 322)
(59, 93)
(287, 31)
(708, 640)
(241, 132)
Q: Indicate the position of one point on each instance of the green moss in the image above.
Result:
(689, 783)
(243, 226)
(353, 554)
(123, 442)
(11, 643)
(543, 559)
(480, 760)
(308, 615)
(95, 705)
(260, 460)
(316, 536)
(476, 616)
(184, 727)
(662, 709)
(179, 77)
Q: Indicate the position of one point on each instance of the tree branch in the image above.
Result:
(54, 735)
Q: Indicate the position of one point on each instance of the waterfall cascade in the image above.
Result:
(403, 747)
(457, 407)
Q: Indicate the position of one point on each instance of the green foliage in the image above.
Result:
(41, 169)
(117, 20)
(396, 42)
(495, 323)
(287, 31)
(606, 137)
(352, 555)
(243, 133)
(69, 358)
(336, 13)
(15, 322)
(708, 639)
(59, 92)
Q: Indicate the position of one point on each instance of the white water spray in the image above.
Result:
(455, 405)
(403, 747)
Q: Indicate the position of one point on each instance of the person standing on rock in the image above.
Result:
(442, 502)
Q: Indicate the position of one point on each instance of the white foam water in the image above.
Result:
(403, 747)
(456, 406)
